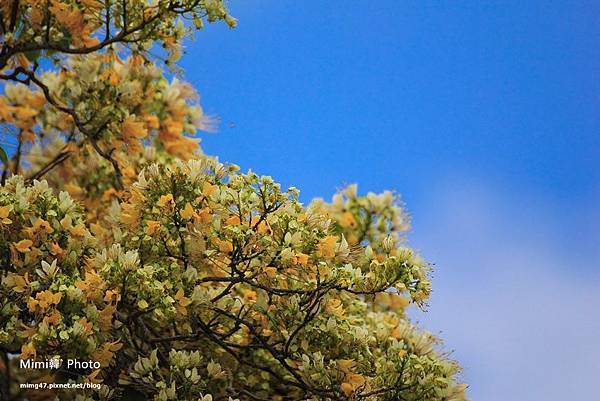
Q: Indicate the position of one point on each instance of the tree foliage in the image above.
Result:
(122, 243)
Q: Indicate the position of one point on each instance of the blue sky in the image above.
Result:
(485, 117)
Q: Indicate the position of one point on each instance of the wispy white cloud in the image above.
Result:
(515, 298)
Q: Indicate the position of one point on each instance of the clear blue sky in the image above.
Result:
(484, 116)
(398, 92)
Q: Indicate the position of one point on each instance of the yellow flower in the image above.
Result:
(355, 381)
(23, 246)
(181, 299)
(208, 189)
(75, 190)
(78, 231)
(326, 247)
(28, 351)
(300, 258)
(398, 302)
(188, 211)
(44, 300)
(346, 365)
(165, 200)
(53, 319)
(347, 389)
(234, 220)
(19, 283)
(98, 230)
(25, 113)
(130, 215)
(348, 220)
(225, 246)
(152, 226)
(105, 317)
(92, 4)
(132, 129)
(4, 212)
(203, 216)
(263, 226)
(85, 325)
(104, 355)
(152, 122)
(112, 296)
(335, 307)
(250, 295)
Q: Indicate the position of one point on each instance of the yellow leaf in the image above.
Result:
(92, 377)
(87, 326)
(112, 296)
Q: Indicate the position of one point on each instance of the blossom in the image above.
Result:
(4, 213)
(326, 247)
(24, 245)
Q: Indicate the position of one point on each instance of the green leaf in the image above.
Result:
(3, 156)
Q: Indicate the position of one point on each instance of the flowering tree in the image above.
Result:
(181, 278)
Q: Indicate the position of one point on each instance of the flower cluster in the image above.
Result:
(210, 282)
(184, 278)
(33, 29)
(51, 302)
(124, 103)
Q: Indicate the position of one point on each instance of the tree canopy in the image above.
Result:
(122, 243)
